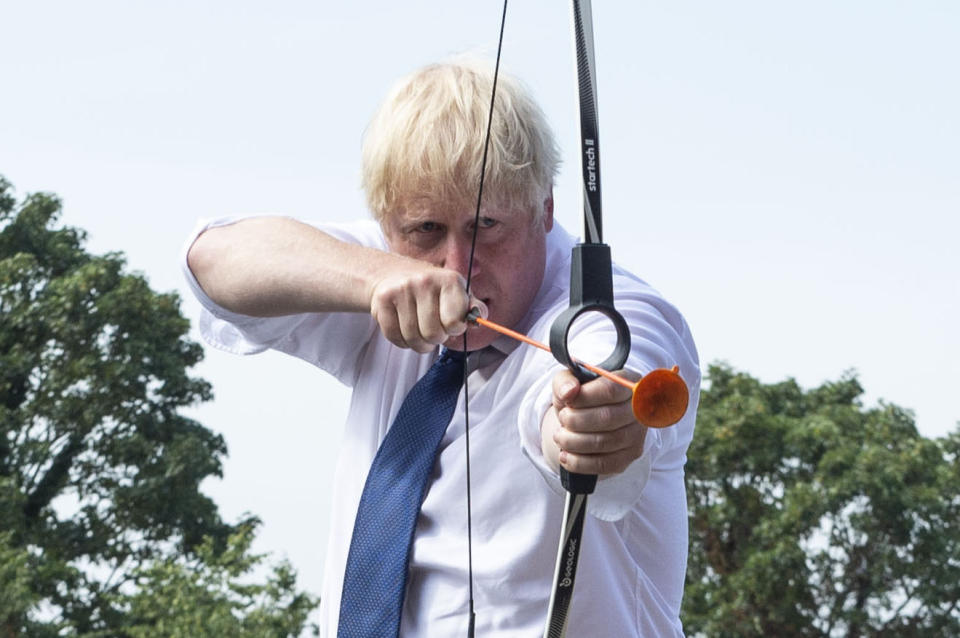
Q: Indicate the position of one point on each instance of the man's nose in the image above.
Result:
(456, 254)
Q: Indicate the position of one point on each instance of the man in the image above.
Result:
(373, 302)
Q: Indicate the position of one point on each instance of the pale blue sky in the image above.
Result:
(786, 172)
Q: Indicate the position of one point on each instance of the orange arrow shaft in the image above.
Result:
(496, 327)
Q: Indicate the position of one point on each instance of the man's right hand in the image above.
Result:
(423, 307)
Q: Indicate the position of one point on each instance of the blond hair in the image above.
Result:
(425, 143)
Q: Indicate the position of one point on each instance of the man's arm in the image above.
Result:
(273, 266)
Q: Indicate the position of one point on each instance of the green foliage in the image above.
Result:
(211, 596)
(813, 516)
(16, 595)
(99, 471)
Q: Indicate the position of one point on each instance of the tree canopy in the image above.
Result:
(214, 595)
(814, 516)
(99, 469)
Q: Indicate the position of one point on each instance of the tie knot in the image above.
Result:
(457, 356)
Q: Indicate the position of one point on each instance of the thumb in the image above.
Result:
(566, 387)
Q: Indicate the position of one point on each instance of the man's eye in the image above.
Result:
(428, 227)
(487, 222)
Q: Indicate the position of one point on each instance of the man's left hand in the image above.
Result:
(590, 428)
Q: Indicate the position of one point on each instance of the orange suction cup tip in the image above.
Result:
(660, 398)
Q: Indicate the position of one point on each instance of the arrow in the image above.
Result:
(659, 398)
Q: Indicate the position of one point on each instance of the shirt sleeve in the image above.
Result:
(660, 339)
(330, 341)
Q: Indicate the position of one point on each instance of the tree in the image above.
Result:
(813, 516)
(16, 597)
(99, 470)
(211, 596)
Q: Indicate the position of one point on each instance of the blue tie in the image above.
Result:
(376, 572)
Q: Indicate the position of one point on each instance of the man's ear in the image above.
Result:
(548, 211)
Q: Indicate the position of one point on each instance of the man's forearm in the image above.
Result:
(271, 266)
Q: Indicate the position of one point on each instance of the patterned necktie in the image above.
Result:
(376, 572)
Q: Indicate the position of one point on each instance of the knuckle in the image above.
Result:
(442, 280)
(597, 443)
(614, 392)
(380, 298)
(604, 414)
(390, 288)
(419, 283)
(575, 464)
(429, 326)
(561, 438)
(451, 278)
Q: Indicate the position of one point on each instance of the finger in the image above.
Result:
(599, 464)
(627, 437)
(454, 305)
(386, 308)
(386, 317)
(601, 391)
(409, 323)
(427, 305)
(601, 418)
(566, 387)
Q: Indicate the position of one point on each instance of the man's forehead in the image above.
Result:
(451, 210)
(428, 207)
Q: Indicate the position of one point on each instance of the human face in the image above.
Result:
(508, 262)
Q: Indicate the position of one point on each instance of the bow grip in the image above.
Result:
(591, 290)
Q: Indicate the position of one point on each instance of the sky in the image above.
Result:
(786, 173)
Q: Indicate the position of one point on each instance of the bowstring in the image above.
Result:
(466, 390)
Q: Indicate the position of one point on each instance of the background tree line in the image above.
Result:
(104, 531)
(810, 514)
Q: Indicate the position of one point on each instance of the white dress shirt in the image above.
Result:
(631, 573)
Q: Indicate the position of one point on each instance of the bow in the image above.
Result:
(591, 290)
(659, 399)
